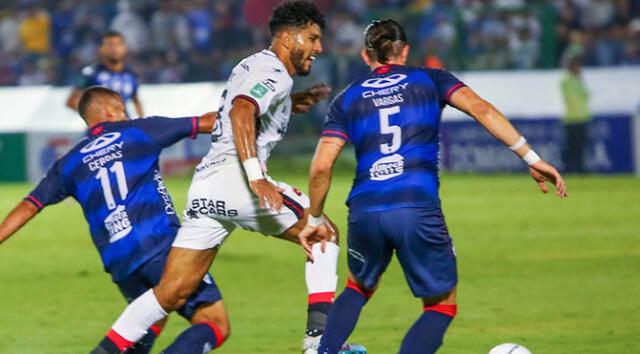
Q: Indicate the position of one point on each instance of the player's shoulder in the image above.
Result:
(265, 64)
(91, 70)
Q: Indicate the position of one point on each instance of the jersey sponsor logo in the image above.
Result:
(118, 224)
(271, 84)
(259, 90)
(385, 91)
(387, 167)
(164, 194)
(100, 142)
(209, 207)
(245, 67)
(382, 82)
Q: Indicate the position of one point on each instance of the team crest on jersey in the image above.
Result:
(100, 142)
(387, 167)
(382, 82)
(259, 90)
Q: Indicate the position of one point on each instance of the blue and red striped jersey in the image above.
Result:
(392, 116)
(113, 173)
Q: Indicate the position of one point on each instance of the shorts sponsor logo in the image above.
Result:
(100, 142)
(118, 224)
(356, 255)
(259, 90)
(387, 167)
(209, 207)
(382, 82)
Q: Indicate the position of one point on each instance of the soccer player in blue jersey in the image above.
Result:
(113, 173)
(111, 72)
(392, 116)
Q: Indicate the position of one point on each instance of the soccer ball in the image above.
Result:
(509, 348)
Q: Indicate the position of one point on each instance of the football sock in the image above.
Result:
(200, 338)
(321, 278)
(425, 336)
(143, 346)
(342, 318)
(132, 325)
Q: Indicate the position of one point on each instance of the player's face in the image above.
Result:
(306, 47)
(113, 48)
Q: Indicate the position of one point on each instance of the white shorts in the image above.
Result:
(220, 200)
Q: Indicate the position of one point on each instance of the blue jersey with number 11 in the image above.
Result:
(392, 116)
(113, 173)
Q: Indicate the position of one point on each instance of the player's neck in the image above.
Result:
(283, 55)
(114, 65)
(375, 65)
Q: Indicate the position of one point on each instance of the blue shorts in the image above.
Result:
(148, 275)
(421, 240)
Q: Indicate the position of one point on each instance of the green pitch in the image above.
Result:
(558, 276)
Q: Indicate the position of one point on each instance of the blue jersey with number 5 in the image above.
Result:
(392, 115)
(113, 173)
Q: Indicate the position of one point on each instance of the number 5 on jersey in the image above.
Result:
(386, 128)
(103, 176)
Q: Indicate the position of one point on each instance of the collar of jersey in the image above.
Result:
(96, 129)
(384, 68)
(268, 52)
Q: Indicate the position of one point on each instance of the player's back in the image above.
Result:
(113, 173)
(392, 115)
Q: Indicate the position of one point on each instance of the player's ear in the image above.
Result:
(365, 57)
(286, 38)
(404, 54)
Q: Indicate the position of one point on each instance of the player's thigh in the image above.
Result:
(183, 272)
(368, 248)
(425, 251)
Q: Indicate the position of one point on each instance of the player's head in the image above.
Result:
(296, 26)
(113, 48)
(385, 43)
(101, 104)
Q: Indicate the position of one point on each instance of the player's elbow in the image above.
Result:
(480, 109)
(321, 169)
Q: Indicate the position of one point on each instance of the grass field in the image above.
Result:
(558, 276)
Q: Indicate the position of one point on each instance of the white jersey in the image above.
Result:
(263, 80)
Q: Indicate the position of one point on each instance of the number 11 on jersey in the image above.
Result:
(103, 176)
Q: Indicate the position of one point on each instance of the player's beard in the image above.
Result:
(298, 60)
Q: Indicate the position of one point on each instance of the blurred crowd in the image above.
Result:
(49, 41)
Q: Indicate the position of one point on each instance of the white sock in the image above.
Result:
(321, 275)
(141, 314)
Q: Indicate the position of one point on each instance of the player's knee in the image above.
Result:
(212, 316)
(173, 296)
(448, 298)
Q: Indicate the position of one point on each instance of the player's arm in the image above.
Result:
(138, 105)
(17, 218)
(327, 152)
(497, 124)
(302, 101)
(243, 124)
(74, 97)
(206, 122)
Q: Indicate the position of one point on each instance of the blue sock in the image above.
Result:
(143, 346)
(341, 321)
(200, 338)
(425, 336)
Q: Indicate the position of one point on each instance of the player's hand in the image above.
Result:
(543, 172)
(303, 101)
(311, 234)
(268, 194)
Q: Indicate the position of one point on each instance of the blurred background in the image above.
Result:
(566, 71)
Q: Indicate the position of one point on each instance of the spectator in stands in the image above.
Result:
(35, 31)
(9, 31)
(577, 115)
(132, 27)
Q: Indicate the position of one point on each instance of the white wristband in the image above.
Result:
(252, 168)
(520, 143)
(315, 221)
(531, 157)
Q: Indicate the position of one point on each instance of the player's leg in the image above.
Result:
(194, 249)
(144, 345)
(368, 257)
(321, 279)
(426, 254)
(210, 322)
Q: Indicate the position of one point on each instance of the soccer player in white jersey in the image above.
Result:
(230, 188)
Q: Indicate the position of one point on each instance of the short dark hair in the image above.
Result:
(295, 13)
(384, 38)
(89, 95)
(112, 33)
